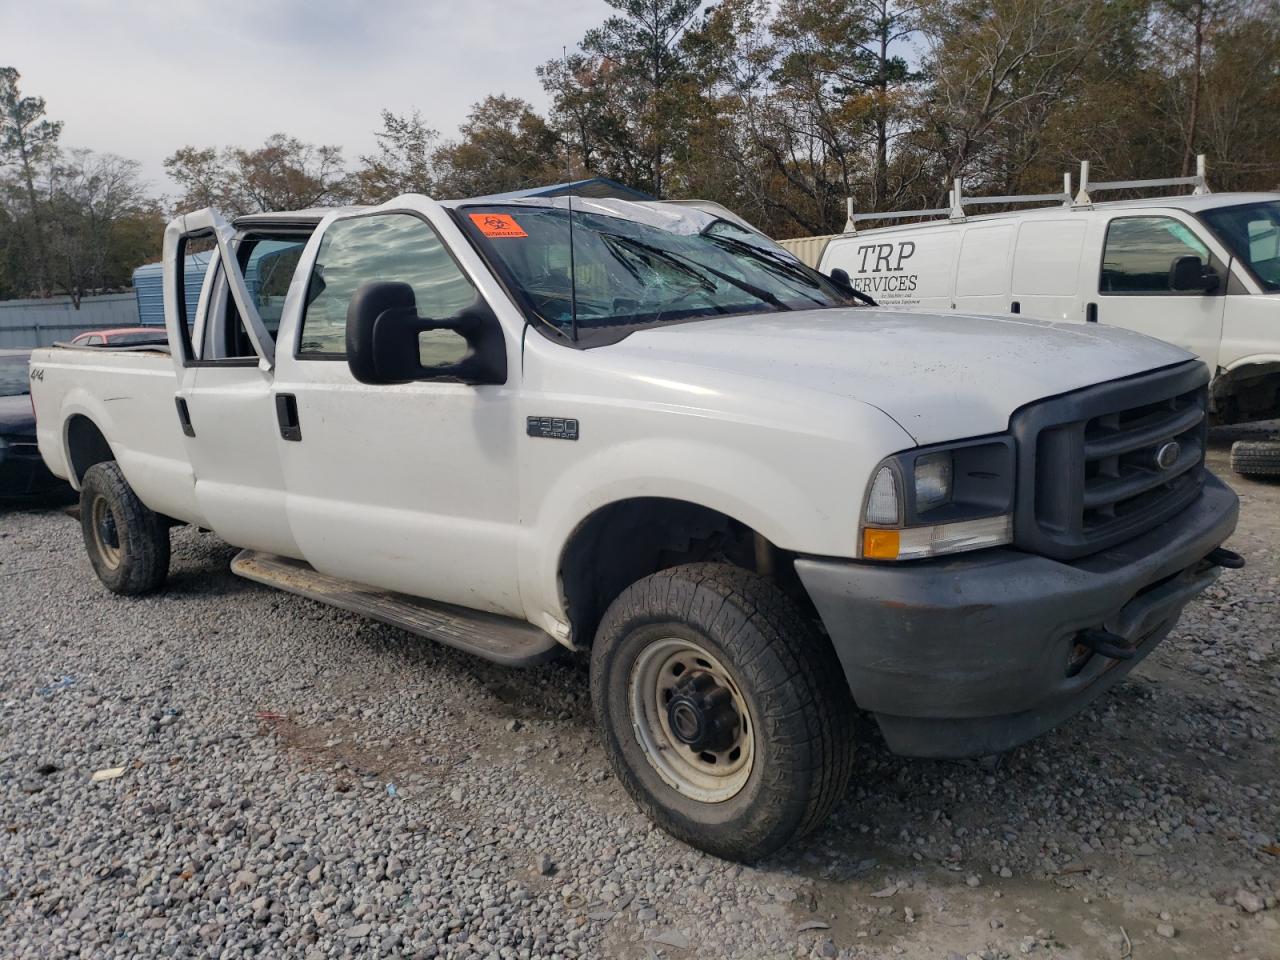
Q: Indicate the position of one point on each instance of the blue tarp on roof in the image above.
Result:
(598, 187)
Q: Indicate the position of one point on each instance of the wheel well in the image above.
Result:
(1247, 393)
(631, 539)
(85, 446)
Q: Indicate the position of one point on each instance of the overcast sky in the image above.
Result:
(143, 77)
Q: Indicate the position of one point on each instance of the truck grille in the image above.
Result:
(1105, 464)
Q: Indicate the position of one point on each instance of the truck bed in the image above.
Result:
(129, 394)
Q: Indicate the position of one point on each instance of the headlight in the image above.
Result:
(940, 500)
(933, 480)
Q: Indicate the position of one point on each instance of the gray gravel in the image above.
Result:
(301, 782)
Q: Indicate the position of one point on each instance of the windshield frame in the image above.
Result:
(1264, 287)
(589, 336)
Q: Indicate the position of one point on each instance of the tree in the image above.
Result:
(28, 141)
(631, 72)
(284, 173)
(404, 161)
(998, 69)
(1184, 29)
(103, 223)
(204, 178)
(503, 145)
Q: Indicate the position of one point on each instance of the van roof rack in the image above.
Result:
(958, 201)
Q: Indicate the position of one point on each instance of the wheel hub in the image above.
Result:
(701, 714)
(107, 530)
(691, 720)
(106, 534)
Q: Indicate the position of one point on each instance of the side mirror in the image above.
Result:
(840, 277)
(1190, 273)
(384, 339)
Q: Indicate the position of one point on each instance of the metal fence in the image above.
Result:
(38, 323)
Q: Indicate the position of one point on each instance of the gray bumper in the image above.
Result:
(968, 656)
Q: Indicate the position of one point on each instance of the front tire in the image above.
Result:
(1256, 458)
(127, 544)
(724, 714)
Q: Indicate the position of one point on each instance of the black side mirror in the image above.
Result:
(840, 277)
(1190, 273)
(383, 331)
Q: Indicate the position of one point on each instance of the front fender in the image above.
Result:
(802, 492)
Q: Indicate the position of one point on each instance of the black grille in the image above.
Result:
(1104, 464)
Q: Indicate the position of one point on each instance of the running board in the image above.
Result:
(489, 635)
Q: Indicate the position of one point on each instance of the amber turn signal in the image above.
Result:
(879, 544)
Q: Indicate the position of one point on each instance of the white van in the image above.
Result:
(1200, 271)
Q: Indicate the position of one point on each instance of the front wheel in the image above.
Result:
(127, 544)
(724, 714)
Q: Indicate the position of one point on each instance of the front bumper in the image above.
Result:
(968, 656)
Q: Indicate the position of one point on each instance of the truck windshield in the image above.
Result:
(638, 265)
(1252, 232)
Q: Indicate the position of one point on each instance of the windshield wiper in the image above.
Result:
(771, 260)
(612, 239)
(681, 262)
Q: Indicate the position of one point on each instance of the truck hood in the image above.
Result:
(940, 376)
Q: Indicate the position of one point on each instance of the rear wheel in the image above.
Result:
(1256, 458)
(127, 544)
(724, 714)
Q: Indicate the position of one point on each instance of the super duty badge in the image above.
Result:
(553, 428)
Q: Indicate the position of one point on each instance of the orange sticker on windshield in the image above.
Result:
(497, 225)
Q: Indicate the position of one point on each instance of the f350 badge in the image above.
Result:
(552, 428)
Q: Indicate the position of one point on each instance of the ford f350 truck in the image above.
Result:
(643, 431)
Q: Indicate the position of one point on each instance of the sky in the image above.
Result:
(141, 79)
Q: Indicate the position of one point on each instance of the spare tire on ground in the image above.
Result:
(1256, 458)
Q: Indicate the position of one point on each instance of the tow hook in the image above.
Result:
(1222, 557)
(1106, 643)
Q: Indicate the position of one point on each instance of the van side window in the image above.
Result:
(1140, 252)
(382, 247)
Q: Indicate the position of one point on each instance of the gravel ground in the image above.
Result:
(298, 781)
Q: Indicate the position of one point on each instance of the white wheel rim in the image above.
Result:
(709, 776)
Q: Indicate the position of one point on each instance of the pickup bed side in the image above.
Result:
(94, 404)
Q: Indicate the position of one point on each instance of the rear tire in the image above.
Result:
(1256, 458)
(127, 544)
(769, 689)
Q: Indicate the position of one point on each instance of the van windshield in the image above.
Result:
(638, 265)
(1252, 232)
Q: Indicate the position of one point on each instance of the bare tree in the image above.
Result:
(27, 141)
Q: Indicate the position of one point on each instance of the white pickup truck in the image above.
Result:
(640, 430)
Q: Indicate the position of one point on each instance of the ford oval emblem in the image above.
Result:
(1167, 454)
